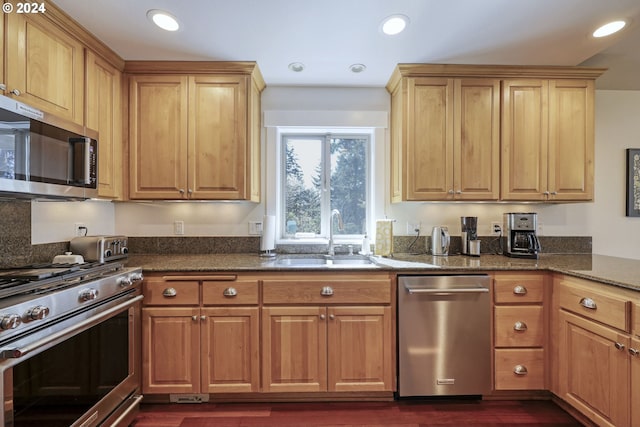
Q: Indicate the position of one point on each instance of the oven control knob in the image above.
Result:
(136, 277)
(107, 253)
(38, 312)
(88, 294)
(10, 321)
(124, 250)
(125, 281)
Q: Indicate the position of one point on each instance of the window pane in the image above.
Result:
(349, 183)
(303, 185)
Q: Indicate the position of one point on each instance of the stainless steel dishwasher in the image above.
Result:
(444, 335)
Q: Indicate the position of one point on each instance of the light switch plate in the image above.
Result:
(255, 228)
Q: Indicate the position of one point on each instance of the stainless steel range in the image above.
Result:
(69, 345)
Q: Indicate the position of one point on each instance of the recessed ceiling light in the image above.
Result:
(394, 24)
(296, 67)
(163, 19)
(357, 68)
(608, 29)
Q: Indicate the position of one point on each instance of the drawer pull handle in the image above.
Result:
(520, 326)
(194, 318)
(519, 290)
(588, 303)
(170, 293)
(634, 352)
(520, 370)
(619, 346)
(326, 291)
(230, 292)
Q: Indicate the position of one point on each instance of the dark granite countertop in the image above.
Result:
(616, 271)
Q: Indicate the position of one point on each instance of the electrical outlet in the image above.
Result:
(178, 227)
(80, 229)
(412, 226)
(496, 228)
(255, 227)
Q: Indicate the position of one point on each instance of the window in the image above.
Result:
(322, 173)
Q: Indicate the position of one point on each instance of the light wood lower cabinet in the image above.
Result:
(327, 349)
(192, 346)
(332, 346)
(635, 381)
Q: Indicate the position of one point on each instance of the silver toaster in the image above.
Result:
(100, 248)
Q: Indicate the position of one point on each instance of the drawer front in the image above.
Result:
(160, 292)
(326, 292)
(237, 292)
(519, 326)
(519, 369)
(518, 289)
(595, 304)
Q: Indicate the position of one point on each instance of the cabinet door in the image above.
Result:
(476, 150)
(170, 350)
(294, 352)
(158, 137)
(217, 137)
(571, 139)
(230, 342)
(635, 382)
(524, 139)
(104, 114)
(360, 349)
(45, 65)
(429, 139)
(594, 370)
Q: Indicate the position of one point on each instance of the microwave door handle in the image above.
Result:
(80, 155)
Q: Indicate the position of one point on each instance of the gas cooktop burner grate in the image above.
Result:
(42, 278)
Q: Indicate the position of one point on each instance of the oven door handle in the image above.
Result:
(15, 353)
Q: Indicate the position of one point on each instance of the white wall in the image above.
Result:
(617, 128)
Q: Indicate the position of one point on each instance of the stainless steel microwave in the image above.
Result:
(42, 156)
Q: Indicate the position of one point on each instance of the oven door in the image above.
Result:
(81, 372)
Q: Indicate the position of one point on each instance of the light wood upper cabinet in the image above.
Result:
(547, 140)
(194, 136)
(158, 137)
(445, 139)
(44, 66)
(104, 114)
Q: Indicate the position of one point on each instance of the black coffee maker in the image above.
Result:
(522, 240)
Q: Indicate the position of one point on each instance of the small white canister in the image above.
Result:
(68, 258)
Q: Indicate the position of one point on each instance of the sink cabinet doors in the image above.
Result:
(342, 342)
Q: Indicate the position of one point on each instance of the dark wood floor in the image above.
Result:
(371, 414)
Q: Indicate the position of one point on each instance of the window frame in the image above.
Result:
(325, 200)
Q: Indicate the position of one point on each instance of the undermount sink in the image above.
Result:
(325, 261)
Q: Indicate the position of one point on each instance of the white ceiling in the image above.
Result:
(329, 35)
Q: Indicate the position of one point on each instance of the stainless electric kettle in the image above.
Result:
(440, 240)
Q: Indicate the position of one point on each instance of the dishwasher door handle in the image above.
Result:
(445, 291)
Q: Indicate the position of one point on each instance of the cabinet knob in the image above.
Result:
(546, 193)
(181, 191)
(634, 352)
(326, 291)
(322, 317)
(519, 290)
(459, 192)
(331, 316)
(190, 191)
(451, 192)
(15, 92)
(520, 370)
(203, 318)
(170, 293)
(3, 87)
(588, 303)
(194, 318)
(554, 193)
(230, 292)
(619, 346)
(520, 326)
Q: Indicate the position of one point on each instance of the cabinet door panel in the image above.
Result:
(158, 137)
(635, 384)
(429, 140)
(360, 349)
(571, 139)
(594, 374)
(46, 65)
(524, 139)
(170, 350)
(230, 343)
(217, 137)
(477, 139)
(294, 349)
(104, 114)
